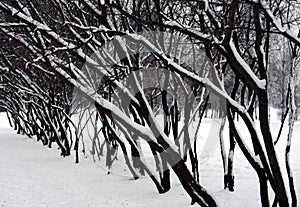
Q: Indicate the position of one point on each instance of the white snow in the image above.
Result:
(260, 83)
(33, 175)
(173, 23)
(291, 33)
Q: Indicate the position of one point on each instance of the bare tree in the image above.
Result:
(61, 36)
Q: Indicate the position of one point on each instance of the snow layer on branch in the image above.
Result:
(173, 23)
(198, 33)
(118, 114)
(285, 30)
(253, 156)
(206, 5)
(66, 45)
(260, 83)
(152, 116)
(181, 70)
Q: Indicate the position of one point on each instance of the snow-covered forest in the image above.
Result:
(150, 102)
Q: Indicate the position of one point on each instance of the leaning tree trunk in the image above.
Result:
(293, 112)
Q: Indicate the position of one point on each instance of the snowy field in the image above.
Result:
(33, 175)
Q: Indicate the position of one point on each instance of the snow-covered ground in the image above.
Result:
(33, 175)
